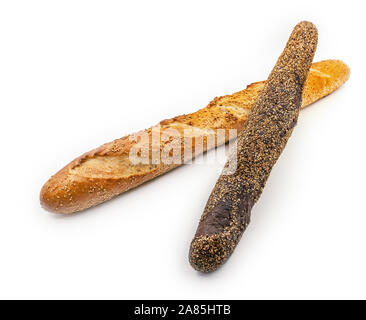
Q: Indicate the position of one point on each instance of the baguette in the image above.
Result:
(107, 171)
(259, 145)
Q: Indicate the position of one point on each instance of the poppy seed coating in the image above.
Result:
(259, 145)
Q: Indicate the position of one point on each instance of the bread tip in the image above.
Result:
(54, 198)
(306, 24)
(46, 198)
(308, 27)
(208, 253)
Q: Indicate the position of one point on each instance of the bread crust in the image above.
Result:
(106, 172)
(259, 145)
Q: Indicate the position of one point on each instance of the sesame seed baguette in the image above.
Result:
(105, 172)
(259, 145)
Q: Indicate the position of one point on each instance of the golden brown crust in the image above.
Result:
(105, 172)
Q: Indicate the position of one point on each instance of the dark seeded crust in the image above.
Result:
(259, 145)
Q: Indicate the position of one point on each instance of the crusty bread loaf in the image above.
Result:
(107, 171)
(259, 145)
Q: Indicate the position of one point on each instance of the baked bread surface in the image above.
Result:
(107, 171)
(259, 145)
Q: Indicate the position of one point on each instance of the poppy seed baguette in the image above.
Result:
(259, 145)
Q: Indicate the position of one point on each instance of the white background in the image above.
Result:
(76, 74)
